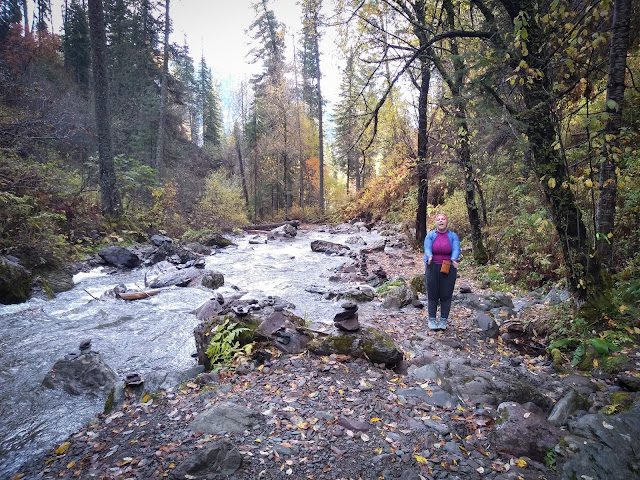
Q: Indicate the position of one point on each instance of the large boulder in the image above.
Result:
(15, 281)
(59, 279)
(173, 253)
(328, 247)
(119, 257)
(81, 374)
(522, 431)
(602, 446)
(366, 342)
(181, 278)
(397, 294)
(226, 417)
(217, 240)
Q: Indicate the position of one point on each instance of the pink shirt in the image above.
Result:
(441, 248)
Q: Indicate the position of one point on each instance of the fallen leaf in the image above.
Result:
(62, 448)
(521, 462)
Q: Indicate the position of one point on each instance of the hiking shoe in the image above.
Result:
(433, 325)
(442, 324)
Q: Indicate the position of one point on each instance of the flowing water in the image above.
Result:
(133, 336)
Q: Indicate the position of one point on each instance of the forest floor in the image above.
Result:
(309, 403)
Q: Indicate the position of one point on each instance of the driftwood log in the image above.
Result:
(271, 226)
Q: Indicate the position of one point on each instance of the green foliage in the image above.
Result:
(603, 346)
(224, 346)
(550, 458)
(222, 204)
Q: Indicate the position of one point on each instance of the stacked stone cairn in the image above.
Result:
(347, 320)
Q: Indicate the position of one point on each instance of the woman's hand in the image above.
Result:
(429, 261)
(455, 263)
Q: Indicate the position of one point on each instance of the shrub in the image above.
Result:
(222, 204)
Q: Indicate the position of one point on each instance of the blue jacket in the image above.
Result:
(453, 240)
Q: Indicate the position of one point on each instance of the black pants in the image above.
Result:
(439, 289)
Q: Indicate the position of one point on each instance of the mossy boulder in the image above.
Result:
(617, 364)
(417, 283)
(15, 281)
(367, 342)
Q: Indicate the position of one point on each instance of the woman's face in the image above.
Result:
(441, 222)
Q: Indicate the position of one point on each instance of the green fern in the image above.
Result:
(224, 346)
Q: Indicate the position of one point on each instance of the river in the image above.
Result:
(134, 336)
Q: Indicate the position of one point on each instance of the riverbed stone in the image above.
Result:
(226, 417)
(522, 432)
(85, 374)
(119, 257)
(219, 460)
(180, 278)
(15, 281)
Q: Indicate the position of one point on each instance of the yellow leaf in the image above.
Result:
(375, 419)
(172, 465)
(71, 464)
(588, 183)
(552, 183)
(595, 363)
(462, 409)
(420, 459)
(146, 398)
(62, 448)
(522, 463)
(18, 476)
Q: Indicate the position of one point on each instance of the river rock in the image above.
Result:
(328, 247)
(377, 346)
(211, 279)
(521, 431)
(119, 257)
(159, 239)
(85, 374)
(487, 324)
(397, 294)
(374, 247)
(181, 278)
(217, 240)
(602, 446)
(283, 231)
(219, 460)
(15, 281)
(58, 279)
(226, 417)
(173, 253)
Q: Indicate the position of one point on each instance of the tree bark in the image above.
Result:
(583, 267)
(320, 132)
(236, 132)
(608, 183)
(109, 194)
(162, 120)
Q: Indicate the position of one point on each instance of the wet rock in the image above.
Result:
(198, 248)
(173, 253)
(217, 240)
(328, 247)
(15, 281)
(210, 308)
(283, 231)
(119, 257)
(226, 417)
(219, 459)
(602, 446)
(359, 293)
(212, 280)
(86, 374)
(521, 432)
(374, 247)
(180, 278)
(59, 279)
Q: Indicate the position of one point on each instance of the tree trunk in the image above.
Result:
(162, 121)
(608, 184)
(236, 132)
(583, 267)
(422, 166)
(108, 191)
(462, 147)
(320, 134)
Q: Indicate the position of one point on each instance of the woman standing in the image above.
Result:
(441, 252)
